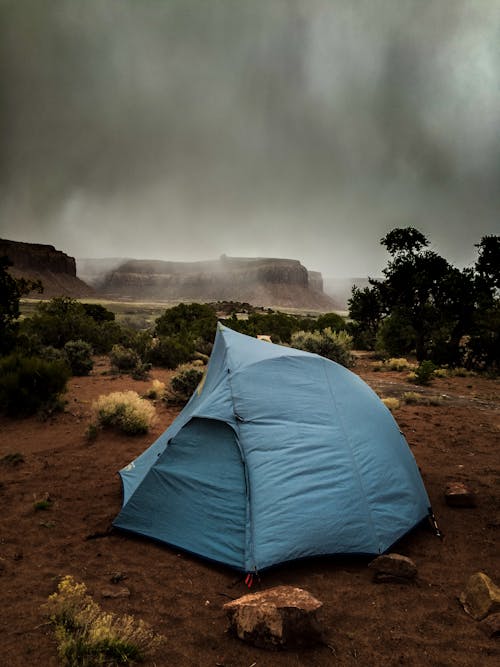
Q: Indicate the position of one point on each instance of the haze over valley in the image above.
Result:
(182, 130)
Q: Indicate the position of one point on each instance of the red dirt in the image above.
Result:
(182, 596)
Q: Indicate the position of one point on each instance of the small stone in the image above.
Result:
(393, 567)
(491, 625)
(481, 596)
(277, 618)
(115, 592)
(458, 494)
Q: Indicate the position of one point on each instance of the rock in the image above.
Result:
(393, 567)
(115, 592)
(458, 494)
(280, 617)
(263, 281)
(481, 596)
(54, 268)
(491, 625)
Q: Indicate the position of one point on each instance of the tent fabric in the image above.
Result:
(280, 454)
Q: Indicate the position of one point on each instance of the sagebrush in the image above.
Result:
(126, 411)
(184, 383)
(87, 635)
(334, 345)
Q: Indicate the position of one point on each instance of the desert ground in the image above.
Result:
(181, 596)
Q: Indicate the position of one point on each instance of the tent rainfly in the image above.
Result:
(279, 454)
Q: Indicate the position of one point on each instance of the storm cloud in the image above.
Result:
(182, 129)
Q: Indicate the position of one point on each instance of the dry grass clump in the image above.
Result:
(394, 364)
(461, 372)
(391, 403)
(156, 390)
(87, 635)
(414, 398)
(125, 411)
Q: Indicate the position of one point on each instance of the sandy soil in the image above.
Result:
(182, 596)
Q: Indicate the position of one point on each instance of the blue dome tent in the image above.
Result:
(279, 454)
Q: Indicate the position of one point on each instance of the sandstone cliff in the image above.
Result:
(54, 268)
(260, 281)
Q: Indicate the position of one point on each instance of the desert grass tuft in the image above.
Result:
(394, 364)
(86, 635)
(42, 504)
(414, 398)
(391, 403)
(156, 390)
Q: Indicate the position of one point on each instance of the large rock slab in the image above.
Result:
(393, 567)
(458, 494)
(491, 625)
(277, 618)
(481, 596)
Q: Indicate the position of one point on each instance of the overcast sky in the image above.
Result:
(181, 129)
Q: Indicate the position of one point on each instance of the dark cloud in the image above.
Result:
(182, 129)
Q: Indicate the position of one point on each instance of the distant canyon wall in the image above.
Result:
(260, 281)
(269, 282)
(55, 269)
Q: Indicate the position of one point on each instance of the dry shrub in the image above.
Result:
(125, 411)
(394, 364)
(156, 390)
(391, 403)
(87, 635)
(414, 398)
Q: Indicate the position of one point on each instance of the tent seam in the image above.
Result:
(353, 458)
(250, 555)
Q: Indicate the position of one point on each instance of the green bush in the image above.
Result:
(79, 354)
(123, 358)
(424, 373)
(170, 351)
(184, 383)
(125, 411)
(334, 345)
(279, 326)
(396, 336)
(30, 384)
(50, 353)
(194, 320)
(98, 313)
(62, 319)
(333, 321)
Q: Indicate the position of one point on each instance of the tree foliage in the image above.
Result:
(28, 384)
(426, 305)
(194, 320)
(63, 319)
(11, 291)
